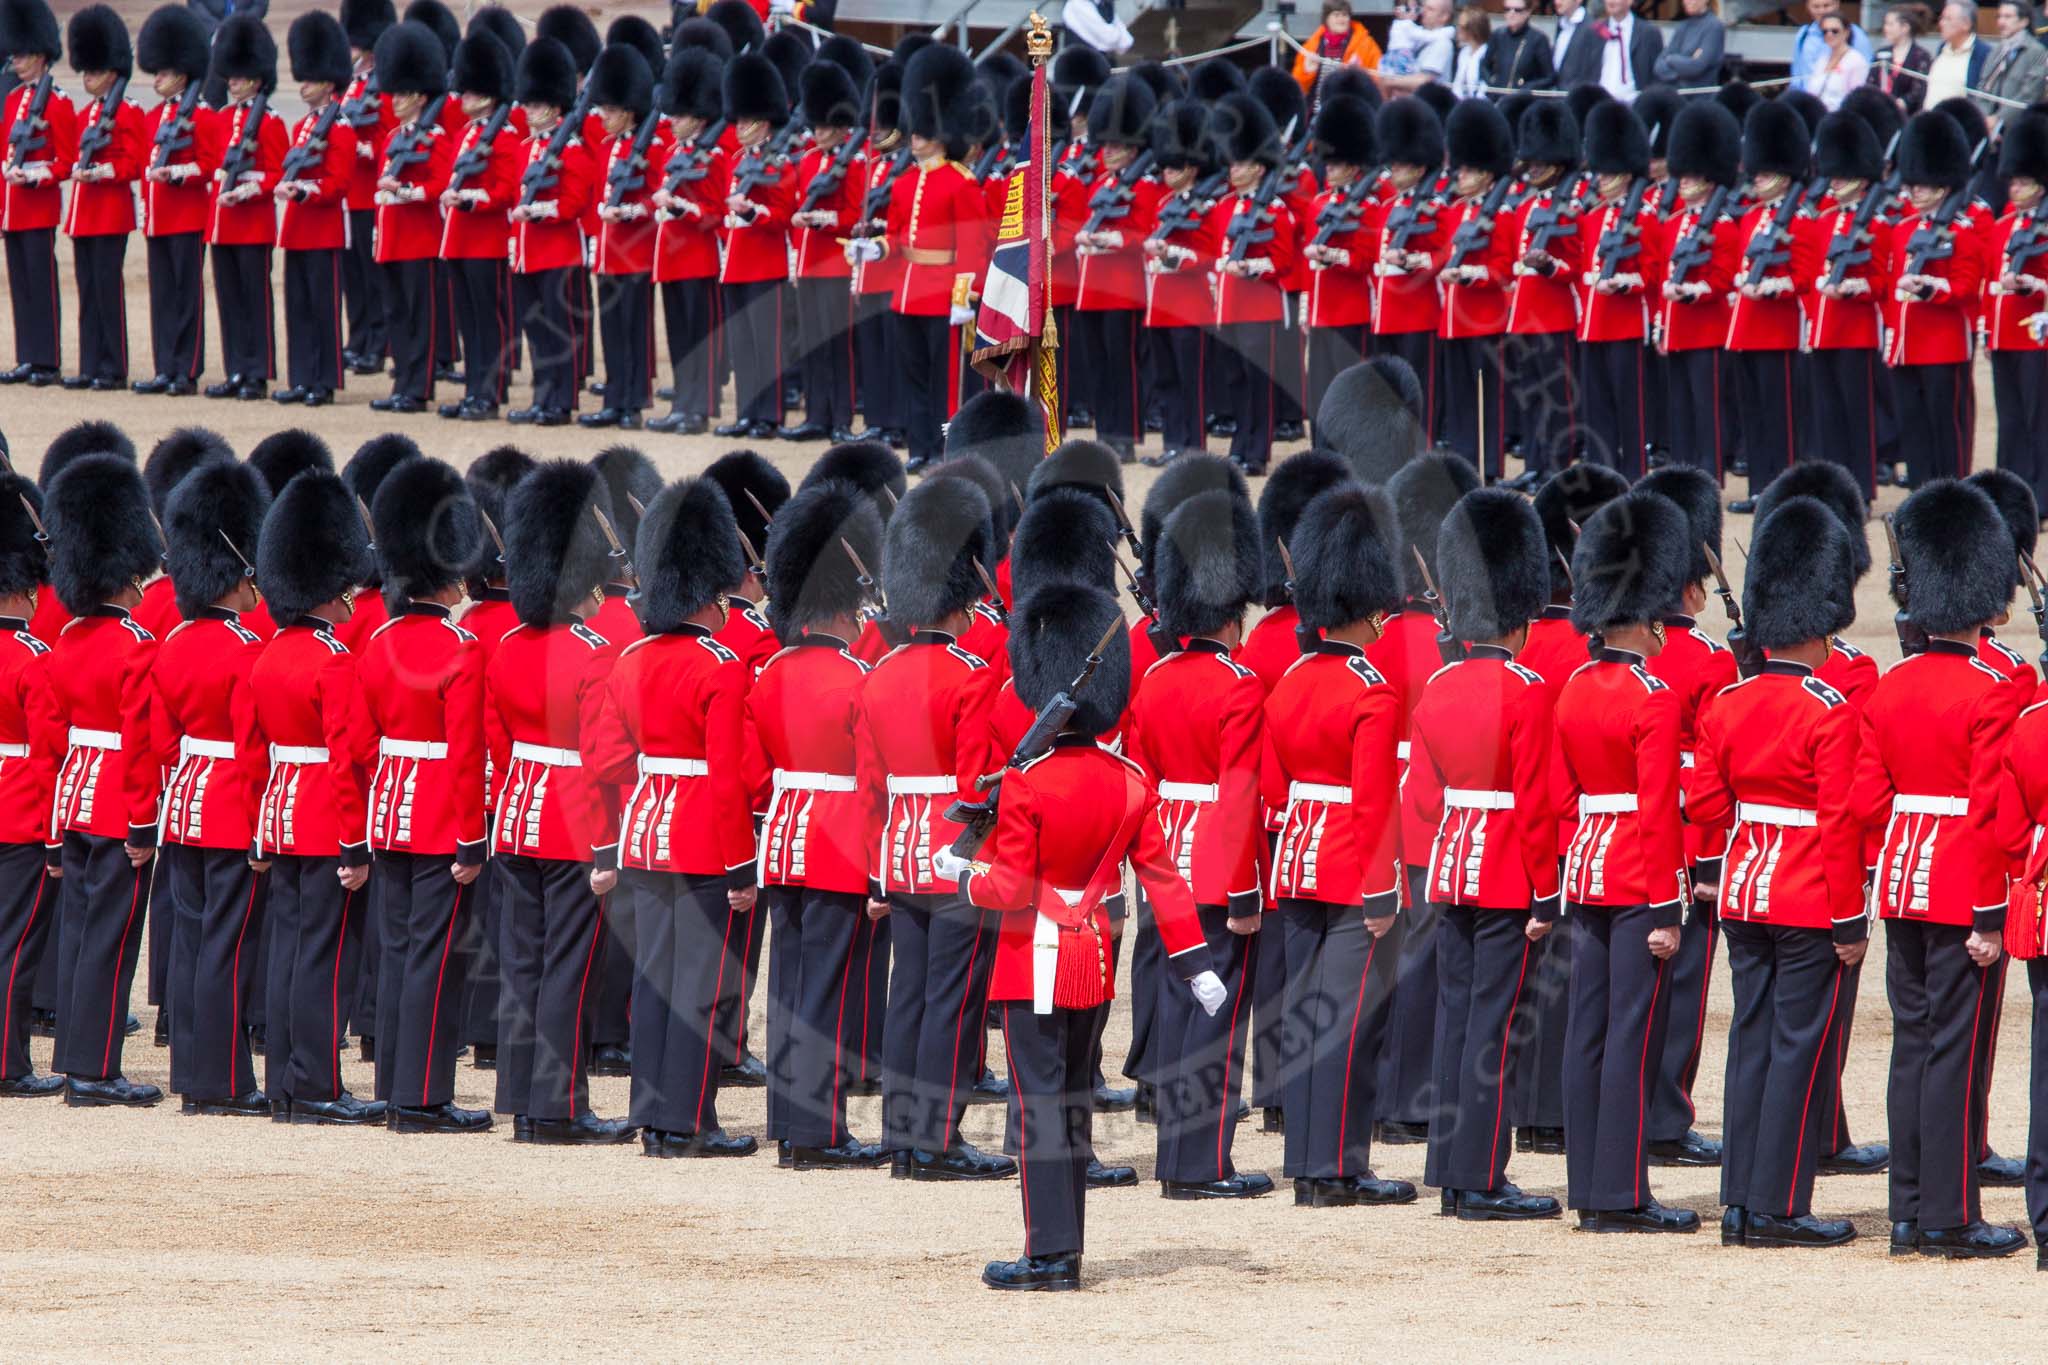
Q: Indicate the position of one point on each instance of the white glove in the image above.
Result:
(1210, 992)
(961, 315)
(784, 7)
(864, 249)
(948, 866)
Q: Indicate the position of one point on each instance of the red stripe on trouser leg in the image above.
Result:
(1642, 1077)
(1351, 1052)
(334, 995)
(114, 994)
(14, 969)
(582, 994)
(440, 980)
(711, 1021)
(1806, 1106)
(1500, 1080)
(839, 1036)
(1970, 1090)
(1023, 1129)
(235, 1034)
(1226, 1108)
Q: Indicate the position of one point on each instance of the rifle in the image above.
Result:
(242, 153)
(996, 159)
(631, 171)
(1778, 235)
(365, 109)
(691, 161)
(758, 163)
(1935, 238)
(308, 155)
(1477, 230)
(174, 134)
(2027, 240)
(1550, 219)
(876, 206)
(2030, 575)
(892, 633)
(1749, 660)
(1852, 248)
(832, 174)
(1912, 639)
(28, 135)
(995, 597)
(1697, 246)
(1417, 214)
(978, 819)
(611, 540)
(1246, 230)
(1123, 520)
(1138, 593)
(1306, 637)
(473, 162)
(95, 139)
(1113, 201)
(1447, 647)
(541, 175)
(1623, 237)
(1342, 213)
(408, 146)
(1190, 207)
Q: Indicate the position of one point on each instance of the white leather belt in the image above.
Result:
(1045, 955)
(189, 747)
(788, 781)
(110, 740)
(1686, 758)
(936, 784)
(545, 754)
(412, 748)
(1611, 803)
(1402, 750)
(1463, 798)
(1200, 793)
(1324, 792)
(1930, 805)
(298, 753)
(653, 765)
(1756, 813)
(13, 751)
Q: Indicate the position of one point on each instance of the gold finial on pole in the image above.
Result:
(1038, 42)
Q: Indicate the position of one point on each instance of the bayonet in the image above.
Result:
(1749, 660)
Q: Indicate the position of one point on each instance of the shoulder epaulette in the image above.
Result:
(716, 650)
(971, 660)
(1846, 650)
(31, 643)
(588, 636)
(334, 646)
(464, 636)
(1367, 674)
(1651, 683)
(1987, 670)
(1827, 696)
(1525, 673)
(1713, 646)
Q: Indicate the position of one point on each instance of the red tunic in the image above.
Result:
(747, 634)
(27, 207)
(319, 222)
(32, 738)
(918, 744)
(1407, 300)
(106, 208)
(1625, 314)
(1478, 308)
(2005, 315)
(370, 134)
(411, 230)
(297, 711)
(1849, 323)
(627, 247)
(1699, 324)
(758, 249)
(1618, 728)
(686, 244)
(185, 202)
(1546, 299)
(1115, 279)
(939, 227)
(1697, 666)
(201, 679)
(542, 690)
(99, 680)
(1198, 731)
(556, 241)
(1774, 323)
(477, 229)
(1939, 330)
(1329, 762)
(818, 253)
(250, 222)
(802, 714)
(1244, 298)
(419, 729)
(1340, 295)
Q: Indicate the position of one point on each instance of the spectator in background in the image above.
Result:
(1419, 47)
(1468, 80)
(1339, 42)
(1841, 70)
(1901, 65)
(2018, 67)
(1571, 23)
(1810, 44)
(1959, 61)
(1692, 54)
(1618, 54)
(1517, 55)
(1094, 23)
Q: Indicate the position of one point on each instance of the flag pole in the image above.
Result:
(1045, 360)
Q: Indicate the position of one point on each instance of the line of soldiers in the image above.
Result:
(1430, 871)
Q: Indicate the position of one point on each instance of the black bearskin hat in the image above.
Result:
(99, 42)
(1206, 563)
(28, 28)
(1810, 108)
(885, 102)
(1292, 485)
(1801, 583)
(428, 534)
(739, 473)
(175, 456)
(1371, 416)
(1547, 135)
(547, 75)
(754, 90)
(791, 53)
(1281, 94)
(374, 460)
(1004, 429)
(621, 79)
(1738, 98)
(692, 86)
(313, 548)
(244, 50)
(931, 548)
(491, 479)
(1345, 134)
(1877, 109)
(101, 536)
(1705, 141)
(1775, 141)
(829, 97)
(1121, 111)
(1436, 97)
(24, 558)
(483, 66)
(1165, 80)
(1656, 109)
(218, 499)
(1569, 498)
(2023, 147)
(702, 33)
(1187, 477)
(1065, 536)
(318, 49)
(1051, 632)
(688, 552)
(1410, 133)
(1079, 463)
(1958, 553)
(1616, 142)
(848, 54)
(173, 39)
(1964, 113)
(556, 551)
(944, 102)
(1837, 489)
(1350, 82)
(1076, 73)
(1017, 112)
(910, 44)
(438, 20)
(1344, 557)
(741, 24)
(1180, 137)
(2014, 499)
(502, 24)
(364, 21)
(979, 472)
(1584, 98)
(1478, 138)
(411, 61)
(1629, 566)
(1493, 563)
(628, 475)
(1846, 149)
(638, 34)
(1244, 131)
(811, 578)
(1699, 497)
(1215, 78)
(870, 466)
(1933, 151)
(574, 30)
(1423, 493)
(86, 438)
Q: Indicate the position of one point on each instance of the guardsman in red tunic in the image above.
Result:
(1776, 762)
(1406, 221)
(760, 197)
(920, 715)
(2015, 287)
(1197, 730)
(1696, 667)
(669, 730)
(883, 388)
(834, 179)
(312, 191)
(1481, 768)
(364, 474)
(200, 688)
(1178, 253)
(1474, 261)
(483, 184)
(418, 730)
(1773, 268)
(38, 144)
(1123, 204)
(1933, 739)
(1845, 314)
(1331, 768)
(1937, 272)
(413, 169)
(689, 200)
(1543, 309)
(170, 460)
(1619, 281)
(1077, 73)
(310, 829)
(2022, 817)
(556, 833)
(1341, 244)
(32, 743)
(105, 812)
(71, 444)
(112, 148)
(802, 715)
(547, 233)
(1258, 244)
(184, 143)
(242, 227)
(1624, 875)
(1067, 823)
(622, 93)
(371, 120)
(1702, 246)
